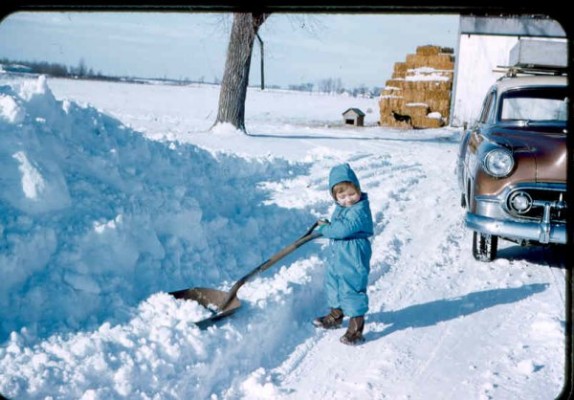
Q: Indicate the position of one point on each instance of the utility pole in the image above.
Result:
(262, 69)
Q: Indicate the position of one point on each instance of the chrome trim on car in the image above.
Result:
(490, 206)
(493, 217)
(543, 232)
(556, 187)
(548, 204)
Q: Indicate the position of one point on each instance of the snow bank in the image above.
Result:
(94, 218)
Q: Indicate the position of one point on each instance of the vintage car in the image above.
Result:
(511, 166)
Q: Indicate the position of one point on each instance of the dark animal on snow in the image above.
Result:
(402, 118)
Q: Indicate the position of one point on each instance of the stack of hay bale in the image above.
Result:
(420, 90)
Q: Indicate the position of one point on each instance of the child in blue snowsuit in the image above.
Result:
(347, 274)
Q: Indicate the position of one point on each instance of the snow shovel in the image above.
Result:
(222, 304)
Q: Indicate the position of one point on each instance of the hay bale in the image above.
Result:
(419, 87)
(426, 122)
(386, 107)
(439, 97)
(426, 86)
(428, 74)
(390, 103)
(398, 83)
(386, 119)
(433, 122)
(428, 50)
(441, 106)
(445, 61)
(391, 91)
(440, 61)
(416, 94)
(416, 110)
(396, 75)
(400, 68)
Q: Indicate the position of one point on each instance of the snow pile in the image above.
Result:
(119, 360)
(94, 217)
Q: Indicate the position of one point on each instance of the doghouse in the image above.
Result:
(354, 116)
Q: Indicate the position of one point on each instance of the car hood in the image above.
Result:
(539, 156)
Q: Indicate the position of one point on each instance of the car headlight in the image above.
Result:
(498, 162)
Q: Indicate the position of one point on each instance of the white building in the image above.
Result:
(485, 44)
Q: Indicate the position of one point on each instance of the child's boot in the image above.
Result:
(354, 334)
(330, 321)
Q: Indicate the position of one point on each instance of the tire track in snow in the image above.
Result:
(368, 168)
(390, 198)
(415, 270)
(446, 253)
(421, 254)
(404, 261)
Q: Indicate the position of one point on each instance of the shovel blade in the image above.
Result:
(211, 299)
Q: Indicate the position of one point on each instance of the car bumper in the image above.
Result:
(532, 231)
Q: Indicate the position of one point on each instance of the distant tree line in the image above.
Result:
(81, 71)
(335, 86)
(328, 85)
(56, 69)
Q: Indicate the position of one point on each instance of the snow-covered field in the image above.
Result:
(112, 195)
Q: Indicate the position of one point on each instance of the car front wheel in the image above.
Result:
(484, 246)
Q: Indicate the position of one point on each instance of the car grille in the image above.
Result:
(540, 197)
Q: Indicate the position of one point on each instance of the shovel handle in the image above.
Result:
(308, 236)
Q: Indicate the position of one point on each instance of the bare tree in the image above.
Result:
(82, 70)
(331, 85)
(233, 90)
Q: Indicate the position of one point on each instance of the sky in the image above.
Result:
(359, 49)
(113, 194)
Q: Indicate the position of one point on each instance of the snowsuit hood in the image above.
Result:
(342, 173)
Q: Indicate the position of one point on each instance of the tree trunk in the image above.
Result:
(233, 90)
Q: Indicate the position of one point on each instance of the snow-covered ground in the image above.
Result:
(112, 195)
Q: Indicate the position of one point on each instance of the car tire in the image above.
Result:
(484, 247)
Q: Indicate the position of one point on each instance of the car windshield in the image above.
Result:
(536, 104)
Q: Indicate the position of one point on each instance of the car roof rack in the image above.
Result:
(531, 69)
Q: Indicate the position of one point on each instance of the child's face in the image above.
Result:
(348, 196)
